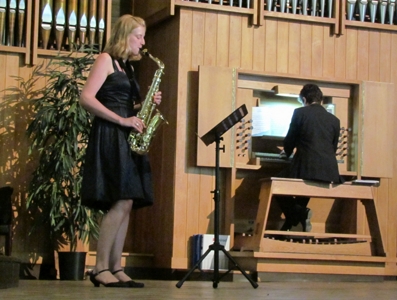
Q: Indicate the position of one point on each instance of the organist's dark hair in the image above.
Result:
(312, 93)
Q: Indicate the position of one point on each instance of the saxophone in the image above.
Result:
(140, 142)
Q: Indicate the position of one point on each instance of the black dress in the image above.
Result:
(112, 171)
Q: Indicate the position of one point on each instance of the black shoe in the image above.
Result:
(131, 283)
(97, 283)
(305, 220)
(286, 226)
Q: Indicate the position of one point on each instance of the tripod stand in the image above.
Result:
(215, 135)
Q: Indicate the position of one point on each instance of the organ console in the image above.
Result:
(339, 227)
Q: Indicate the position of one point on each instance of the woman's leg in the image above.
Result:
(111, 224)
(117, 249)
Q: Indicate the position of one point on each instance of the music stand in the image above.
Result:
(215, 135)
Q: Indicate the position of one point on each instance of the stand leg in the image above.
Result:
(216, 246)
(196, 266)
(253, 283)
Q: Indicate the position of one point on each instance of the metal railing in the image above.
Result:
(318, 8)
(382, 11)
(365, 11)
(233, 3)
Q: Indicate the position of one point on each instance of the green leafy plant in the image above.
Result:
(59, 131)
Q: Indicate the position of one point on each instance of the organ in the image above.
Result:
(248, 205)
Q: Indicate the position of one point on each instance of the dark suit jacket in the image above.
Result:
(314, 133)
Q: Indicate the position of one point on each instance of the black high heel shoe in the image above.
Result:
(131, 283)
(97, 283)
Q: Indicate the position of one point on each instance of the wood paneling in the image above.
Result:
(16, 165)
(153, 11)
(280, 47)
(194, 37)
(377, 128)
(219, 102)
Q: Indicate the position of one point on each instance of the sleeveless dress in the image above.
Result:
(112, 171)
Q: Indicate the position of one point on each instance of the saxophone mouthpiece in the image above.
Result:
(145, 52)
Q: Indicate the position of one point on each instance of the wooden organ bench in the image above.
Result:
(271, 244)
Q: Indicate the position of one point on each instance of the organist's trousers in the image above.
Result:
(293, 207)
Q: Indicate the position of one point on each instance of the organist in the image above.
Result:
(313, 137)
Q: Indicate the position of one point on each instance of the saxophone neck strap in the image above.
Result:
(126, 66)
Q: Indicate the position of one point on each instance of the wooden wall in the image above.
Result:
(194, 37)
(16, 165)
(279, 46)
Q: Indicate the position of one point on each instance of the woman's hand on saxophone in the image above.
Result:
(157, 98)
(135, 123)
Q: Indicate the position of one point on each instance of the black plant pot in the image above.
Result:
(71, 265)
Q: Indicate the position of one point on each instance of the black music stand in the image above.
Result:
(215, 135)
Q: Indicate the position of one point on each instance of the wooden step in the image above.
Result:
(310, 263)
(9, 272)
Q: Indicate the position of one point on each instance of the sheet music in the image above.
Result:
(271, 119)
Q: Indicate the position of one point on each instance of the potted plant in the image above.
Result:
(59, 130)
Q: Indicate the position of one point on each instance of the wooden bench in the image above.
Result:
(298, 187)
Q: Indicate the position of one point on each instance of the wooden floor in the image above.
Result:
(56, 289)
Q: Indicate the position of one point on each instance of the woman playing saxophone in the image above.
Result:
(115, 178)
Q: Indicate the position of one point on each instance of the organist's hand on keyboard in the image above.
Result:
(283, 155)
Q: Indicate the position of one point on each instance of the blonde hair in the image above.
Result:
(117, 45)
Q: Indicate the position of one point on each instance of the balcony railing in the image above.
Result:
(314, 8)
(377, 14)
(383, 12)
(235, 3)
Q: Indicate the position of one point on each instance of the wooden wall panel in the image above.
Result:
(198, 40)
(16, 165)
(305, 52)
(296, 48)
(222, 38)
(282, 47)
(317, 51)
(377, 128)
(329, 54)
(153, 11)
(210, 30)
(205, 202)
(181, 183)
(218, 101)
(235, 38)
(294, 44)
(373, 56)
(384, 54)
(351, 54)
(258, 51)
(247, 45)
(340, 56)
(362, 55)
(270, 45)
(184, 203)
